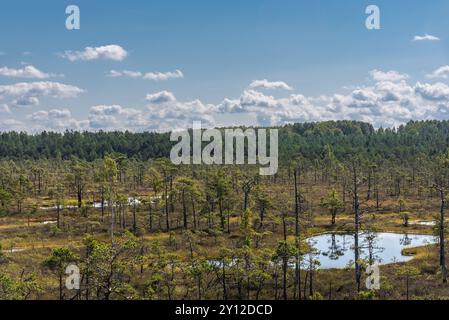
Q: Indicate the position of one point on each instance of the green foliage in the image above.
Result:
(246, 227)
(285, 250)
(2, 255)
(307, 140)
(408, 271)
(8, 288)
(59, 259)
(316, 296)
(5, 198)
(367, 295)
(222, 250)
(332, 203)
(111, 263)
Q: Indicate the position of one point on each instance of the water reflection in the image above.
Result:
(337, 250)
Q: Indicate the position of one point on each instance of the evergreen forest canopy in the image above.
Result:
(417, 138)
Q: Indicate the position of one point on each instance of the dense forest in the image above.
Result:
(305, 139)
(139, 227)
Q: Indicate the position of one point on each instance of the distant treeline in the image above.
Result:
(308, 140)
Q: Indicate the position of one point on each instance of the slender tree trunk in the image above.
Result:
(284, 261)
(368, 195)
(311, 280)
(356, 231)
(184, 209)
(194, 213)
(276, 285)
(245, 204)
(262, 217)
(172, 205)
(407, 286)
(222, 218)
(167, 222)
(229, 220)
(223, 276)
(376, 189)
(150, 215)
(442, 237)
(87, 273)
(306, 278)
(102, 203)
(297, 237)
(134, 217)
(377, 199)
(58, 217)
(111, 206)
(39, 183)
(79, 193)
(60, 286)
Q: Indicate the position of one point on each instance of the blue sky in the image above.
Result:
(320, 50)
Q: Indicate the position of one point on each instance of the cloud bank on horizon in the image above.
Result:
(390, 99)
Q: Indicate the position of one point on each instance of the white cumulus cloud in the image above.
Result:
(442, 72)
(426, 37)
(392, 75)
(54, 119)
(36, 89)
(109, 52)
(389, 100)
(4, 108)
(12, 125)
(166, 113)
(28, 93)
(160, 97)
(113, 117)
(435, 92)
(156, 76)
(26, 72)
(265, 84)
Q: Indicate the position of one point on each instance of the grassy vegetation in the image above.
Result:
(221, 232)
(167, 264)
